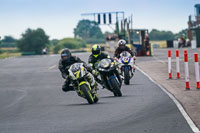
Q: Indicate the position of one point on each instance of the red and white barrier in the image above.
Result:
(185, 51)
(177, 64)
(186, 71)
(169, 64)
(196, 65)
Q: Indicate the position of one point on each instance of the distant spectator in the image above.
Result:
(181, 42)
(147, 44)
(188, 42)
(44, 51)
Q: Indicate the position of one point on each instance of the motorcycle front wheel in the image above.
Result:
(126, 77)
(116, 88)
(87, 93)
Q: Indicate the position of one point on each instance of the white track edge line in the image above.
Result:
(51, 67)
(180, 107)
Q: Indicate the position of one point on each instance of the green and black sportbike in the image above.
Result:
(78, 75)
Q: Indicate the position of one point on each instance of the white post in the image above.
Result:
(186, 71)
(196, 65)
(177, 64)
(169, 64)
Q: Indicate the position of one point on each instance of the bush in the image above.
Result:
(93, 41)
(71, 43)
(33, 41)
(8, 45)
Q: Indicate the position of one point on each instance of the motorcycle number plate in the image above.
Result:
(126, 59)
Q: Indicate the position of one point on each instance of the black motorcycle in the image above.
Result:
(110, 75)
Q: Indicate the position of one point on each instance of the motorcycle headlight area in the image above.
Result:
(104, 63)
(125, 60)
(112, 64)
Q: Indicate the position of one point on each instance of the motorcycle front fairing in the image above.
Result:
(78, 75)
(107, 68)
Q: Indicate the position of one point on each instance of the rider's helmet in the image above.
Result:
(65, 54)
(96, 50)
(122, 43)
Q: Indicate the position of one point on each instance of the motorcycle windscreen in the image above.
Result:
(105, 63)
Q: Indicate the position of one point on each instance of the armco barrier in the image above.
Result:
(28, 53)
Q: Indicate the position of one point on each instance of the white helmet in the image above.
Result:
(121, 42)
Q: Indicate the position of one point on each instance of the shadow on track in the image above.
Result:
(131, 84)
(123, 96)
(84, 104)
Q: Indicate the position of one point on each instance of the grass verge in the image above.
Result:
(9, 52)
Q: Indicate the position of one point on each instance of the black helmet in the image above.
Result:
(122, 42)
(96, 50)
(66, 53)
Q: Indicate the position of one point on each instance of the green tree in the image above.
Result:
(33, 41)
(71, 43)
(161, 35)
(54, 42)
(89, 31)
(9, 39)
(181, 33)
(0, 39)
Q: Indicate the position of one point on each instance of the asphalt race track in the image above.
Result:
(31, 101)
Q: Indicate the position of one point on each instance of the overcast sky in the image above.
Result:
(59, 17)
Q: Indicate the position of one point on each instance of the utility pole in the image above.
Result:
(117, 24)
(124, 27)
(117, 13)
(128, 32)
(131, 21)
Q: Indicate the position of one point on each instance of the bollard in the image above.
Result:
(177, 64)
(196, 65)
(169, 64)
(185, 51)
(186, 71)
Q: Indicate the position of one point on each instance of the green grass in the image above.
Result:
(162, 44)
(9, 52)
(6, 55)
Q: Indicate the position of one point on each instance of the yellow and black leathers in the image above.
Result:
(64, 65)
(94, 58)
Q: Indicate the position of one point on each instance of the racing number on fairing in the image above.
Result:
(77, 74)
(125, 59)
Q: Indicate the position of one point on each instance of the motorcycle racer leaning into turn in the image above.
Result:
(122, 47)
(96, 56)
(64, 64)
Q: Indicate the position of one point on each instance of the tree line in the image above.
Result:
(86, 32)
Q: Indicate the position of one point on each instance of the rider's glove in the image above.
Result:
(116, 59)
(94, 72)
(134, 57)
